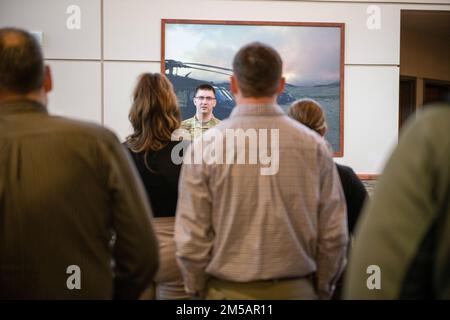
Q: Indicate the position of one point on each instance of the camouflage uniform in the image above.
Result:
(197, 128)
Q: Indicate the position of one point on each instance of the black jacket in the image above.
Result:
(355, 194)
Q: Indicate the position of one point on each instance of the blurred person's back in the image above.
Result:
(402, 243)
(74, 221)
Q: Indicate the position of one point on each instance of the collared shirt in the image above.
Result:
(196, 128)
(235, 224)
(65, 188)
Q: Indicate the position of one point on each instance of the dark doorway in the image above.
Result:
(407, 97)
(435, 91)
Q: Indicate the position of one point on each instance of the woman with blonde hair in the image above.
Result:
(310, 113)
(154, 116)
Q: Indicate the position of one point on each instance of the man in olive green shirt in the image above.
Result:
(205, 101)
(74, 219)
(402, 243)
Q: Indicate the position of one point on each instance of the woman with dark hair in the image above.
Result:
(154, 116)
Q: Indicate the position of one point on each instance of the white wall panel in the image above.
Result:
(50, 17)
(371, 116)
(76, 90)
(132, 29)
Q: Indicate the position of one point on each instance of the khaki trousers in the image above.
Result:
(284, 289)
(168, 283)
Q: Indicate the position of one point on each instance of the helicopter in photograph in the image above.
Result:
(185, 87)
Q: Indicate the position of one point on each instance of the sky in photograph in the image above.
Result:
(311, 55)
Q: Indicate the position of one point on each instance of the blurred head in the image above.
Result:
(154, 114)
(204, 100)
(257, 70)
(310, 113)
(22, 71)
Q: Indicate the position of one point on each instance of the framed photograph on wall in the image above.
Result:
(201, 51)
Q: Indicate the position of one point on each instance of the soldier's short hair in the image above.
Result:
(205, 86)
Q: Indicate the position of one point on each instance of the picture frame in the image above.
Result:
(194, 52)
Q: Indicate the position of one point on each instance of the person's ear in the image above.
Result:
(233, 85)
(48, 83)
(280, 88)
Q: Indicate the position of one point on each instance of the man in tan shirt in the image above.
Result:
(74, 218)
(250, 225)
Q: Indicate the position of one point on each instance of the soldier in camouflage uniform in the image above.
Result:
(205, 101)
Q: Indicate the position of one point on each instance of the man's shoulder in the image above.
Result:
(83, 129)
(215, 120)
(432, 121)
(298, 130)
(346, 174)
(189, 120)
(345, 169)
(188, 123)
